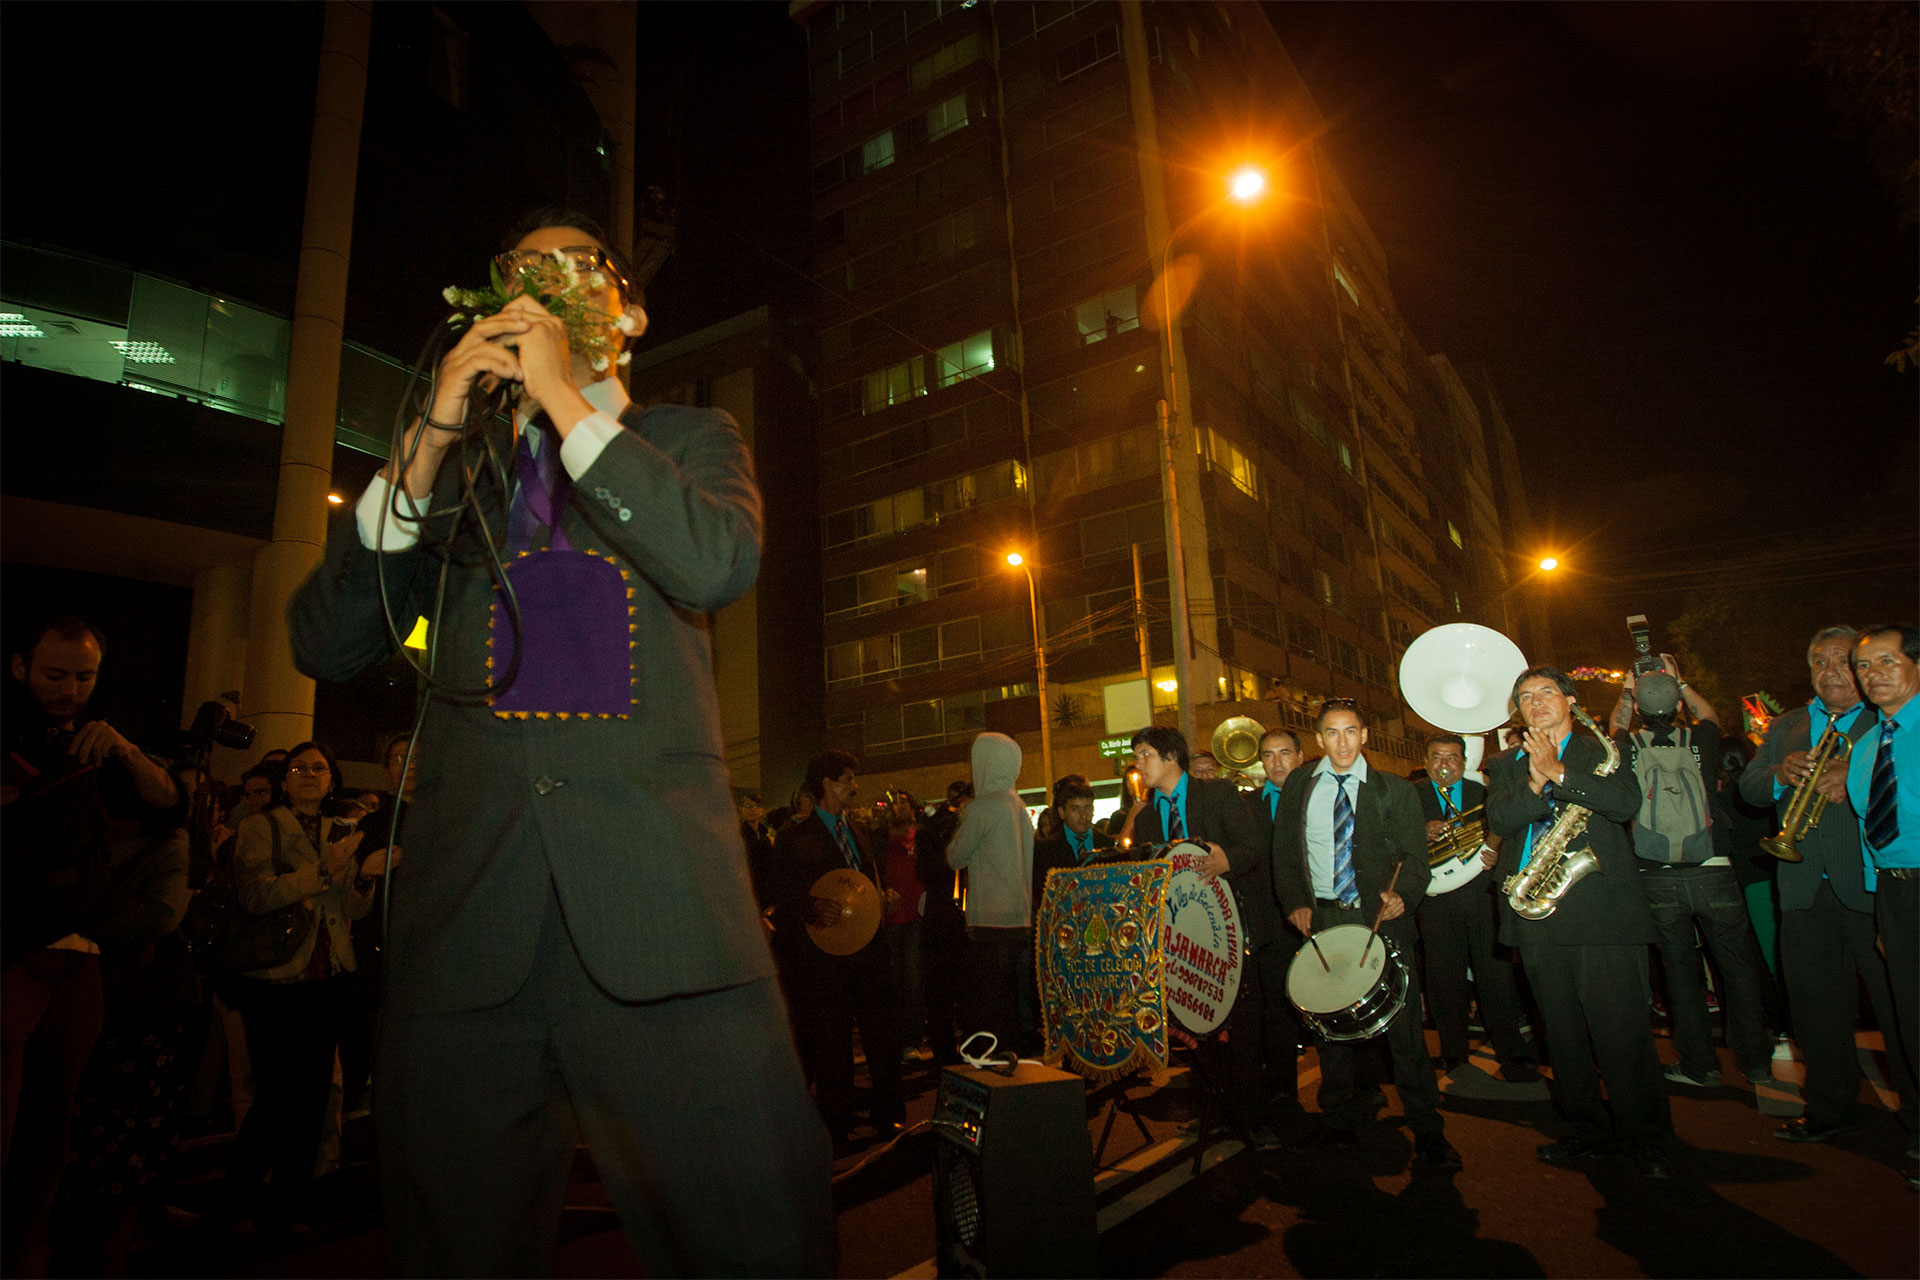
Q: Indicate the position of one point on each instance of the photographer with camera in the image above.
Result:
(1687, 873)
(64, 778)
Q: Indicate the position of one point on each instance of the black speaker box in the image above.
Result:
(1013, 1174)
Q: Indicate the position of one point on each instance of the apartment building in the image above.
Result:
(1008, 199)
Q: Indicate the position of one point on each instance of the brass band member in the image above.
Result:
(1210, 812)
(1339, 831)
(1587, 960)
(1883, 784)
(1826, 912)
(1457, 929)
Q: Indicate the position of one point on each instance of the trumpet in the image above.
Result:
(1464, 836)
(1808, 805)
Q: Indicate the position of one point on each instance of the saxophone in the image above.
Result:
(1553, 869)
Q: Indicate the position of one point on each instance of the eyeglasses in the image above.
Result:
(583, 258)
(307, 770)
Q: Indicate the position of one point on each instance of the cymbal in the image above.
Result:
(859, 904)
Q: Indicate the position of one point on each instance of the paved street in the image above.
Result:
(1742, 1203)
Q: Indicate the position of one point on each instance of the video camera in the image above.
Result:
(1655, 692)
(214, 726)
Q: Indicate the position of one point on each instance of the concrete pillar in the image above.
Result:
(277, 699)
(216, 637)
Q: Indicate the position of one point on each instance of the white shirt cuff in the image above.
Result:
(584, 443)
(394, 534)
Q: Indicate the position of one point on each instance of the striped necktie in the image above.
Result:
(1883, 810)
(847, 845)
(1345, 887)
(1176, 829)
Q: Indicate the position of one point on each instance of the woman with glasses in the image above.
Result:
(296, 852)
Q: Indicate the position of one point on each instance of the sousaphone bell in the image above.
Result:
(1236, 745)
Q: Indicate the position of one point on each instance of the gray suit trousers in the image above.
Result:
(693, 1107)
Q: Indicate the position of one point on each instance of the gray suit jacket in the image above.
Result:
(630, 819)
(1832, 849)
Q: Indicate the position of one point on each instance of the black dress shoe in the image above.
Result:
(1446, 1065)
(1798, 1130)
(1434, 1151)
(1519, 1070)
(1649, 1163)
(1574, 1150)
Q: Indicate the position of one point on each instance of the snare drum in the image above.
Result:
(1347, 999)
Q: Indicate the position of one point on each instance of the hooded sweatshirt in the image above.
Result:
(994, 844)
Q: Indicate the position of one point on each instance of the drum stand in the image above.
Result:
(1203, 1056)
(1118, 1096)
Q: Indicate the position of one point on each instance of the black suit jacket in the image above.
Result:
(1056, 854)
(1609, 905)
(1832, 849)
(1217, 812)
(1387, 831)
(1472, 795)
(803, 853)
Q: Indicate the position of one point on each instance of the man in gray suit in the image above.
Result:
(1827, 934)
(575, 949)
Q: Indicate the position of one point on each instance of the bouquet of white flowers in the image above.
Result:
(557, 283)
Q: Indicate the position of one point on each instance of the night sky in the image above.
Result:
(1682, 271)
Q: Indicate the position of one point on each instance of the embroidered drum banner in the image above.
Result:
(1101, 969)
(1204, 941)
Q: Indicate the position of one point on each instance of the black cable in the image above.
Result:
(481, 408)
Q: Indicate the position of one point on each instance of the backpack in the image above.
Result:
(224, 937)
(1675, 824)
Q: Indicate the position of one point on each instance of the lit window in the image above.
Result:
(1108, 315)
(1454, 534)
(947, 117)
(895, 385)
(877, 153)
(967, 358)
(1346, 455)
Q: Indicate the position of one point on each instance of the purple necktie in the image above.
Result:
(543, 491)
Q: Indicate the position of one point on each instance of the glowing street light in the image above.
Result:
(1548, 564)
(1246, 186)
(1019, 562)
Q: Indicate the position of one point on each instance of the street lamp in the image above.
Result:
(1019, 562)
(1548, 564)
(1245, 187)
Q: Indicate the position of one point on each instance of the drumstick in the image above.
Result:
(1391, 881)
(1317, 951)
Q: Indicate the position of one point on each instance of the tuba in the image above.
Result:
(1236, 745)
(1459, 677)
(1805, 809)
(1554, 868)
